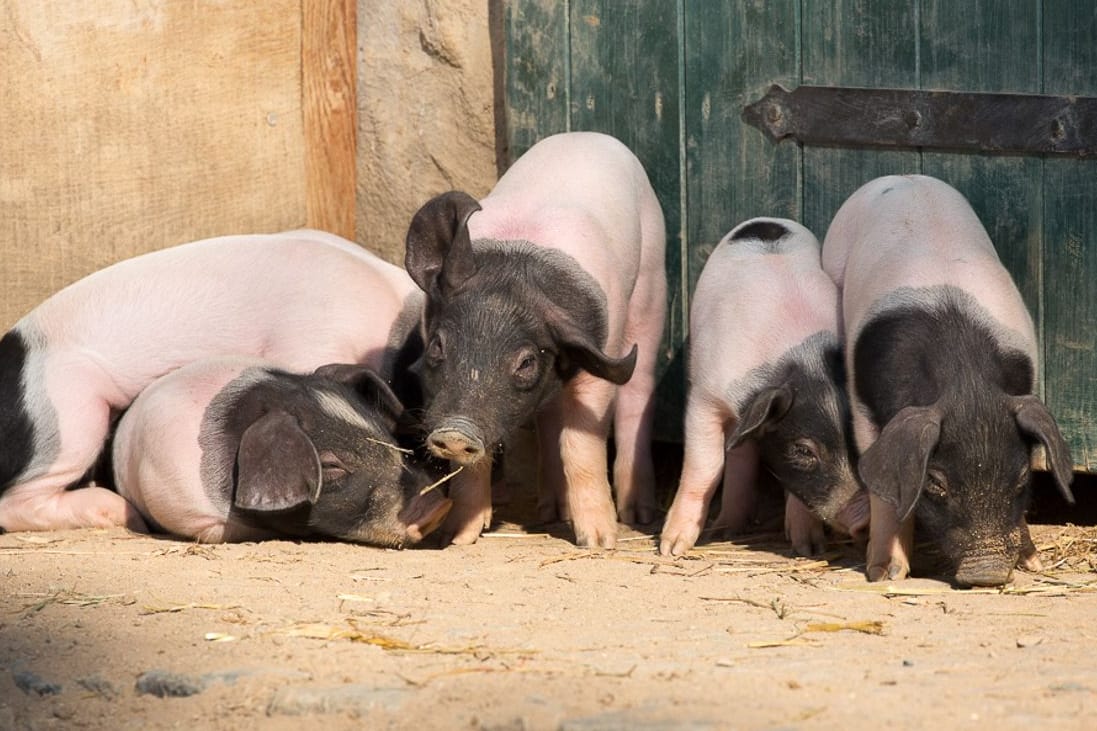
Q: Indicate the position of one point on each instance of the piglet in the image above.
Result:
(767, 391)
(942, 362)
(542, 300)
(232, 449)
(300, 299)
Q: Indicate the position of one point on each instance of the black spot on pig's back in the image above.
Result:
(761, 231)
(918, 353)
(16, 430)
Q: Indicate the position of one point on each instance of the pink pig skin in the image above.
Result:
(299, 299)
(750, 307)
(586, 195)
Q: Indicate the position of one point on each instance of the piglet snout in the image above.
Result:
(853, 517)
(425, 513)
(459, 440)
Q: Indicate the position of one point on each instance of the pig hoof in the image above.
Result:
(596, 539)
(677, 546)
(892, 572)
(1031, 563)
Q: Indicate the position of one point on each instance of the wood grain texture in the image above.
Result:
(1070, 240)
(855, 43)
(129, 127)
(328, 84)
(536, 71)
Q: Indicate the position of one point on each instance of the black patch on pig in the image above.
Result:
(804, 438)
(361, 505)
(761, 231)
(911, 355)
(16, 429)
(942, 358)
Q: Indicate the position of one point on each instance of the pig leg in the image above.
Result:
(740, 488)
(44, 502)
(586, 403)
(1030, 557)
(551, 490)
(633, 471)
(890, 542)
(802, 529)
(470, 490)
(701, 466)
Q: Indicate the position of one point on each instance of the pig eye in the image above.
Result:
(435, 350)
(527, 369)
(935, 485)
(332, 468)
(803, 455)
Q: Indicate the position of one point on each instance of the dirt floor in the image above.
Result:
(111, 630)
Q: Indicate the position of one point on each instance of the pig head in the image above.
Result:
(270, 453)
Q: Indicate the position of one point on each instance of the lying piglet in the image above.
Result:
(300, 299)
(541, 300)
(942, 361)
(765, 371)
(231, 449)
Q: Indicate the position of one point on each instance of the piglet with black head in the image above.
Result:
(767, 391)
(542, 299)
(942, 360)
(231, 449)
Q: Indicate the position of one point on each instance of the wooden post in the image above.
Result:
(328, 86)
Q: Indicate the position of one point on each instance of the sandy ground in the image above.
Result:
(525, 631)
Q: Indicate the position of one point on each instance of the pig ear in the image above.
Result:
(767, 406)
(438, 253)
(1036, 422)
(581, 353)
(277, 467)
(366, 383)
(894, 467)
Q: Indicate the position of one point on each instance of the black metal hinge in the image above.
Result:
(948, 120)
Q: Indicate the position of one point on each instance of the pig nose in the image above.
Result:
(458, 442)
(985, 575)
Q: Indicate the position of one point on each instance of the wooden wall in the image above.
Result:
(131, 126)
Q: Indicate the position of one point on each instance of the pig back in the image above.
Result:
(898, 239)
(585, 194)
(754, 302)
(299, 299)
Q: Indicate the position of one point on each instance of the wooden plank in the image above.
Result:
(857, 43)
(993, 46)
(131, 127)
(536, 68)
(1070, 240)
(328, 87)
(734, 52)
(624, 72)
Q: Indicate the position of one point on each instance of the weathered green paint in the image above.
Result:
(1070, 239)
(707, 60)
(860, 43)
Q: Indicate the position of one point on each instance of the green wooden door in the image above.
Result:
(671, 79)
